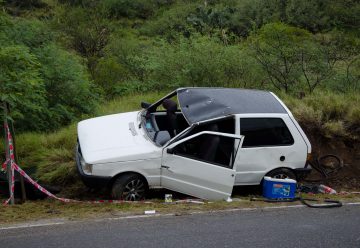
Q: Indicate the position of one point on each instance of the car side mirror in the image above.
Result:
(170, 150)
(145, 105)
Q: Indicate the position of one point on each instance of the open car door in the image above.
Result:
(197, 166)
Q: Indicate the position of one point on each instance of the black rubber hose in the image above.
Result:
(333, 203)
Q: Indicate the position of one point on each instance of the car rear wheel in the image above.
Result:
(129, 187)
(282, 173)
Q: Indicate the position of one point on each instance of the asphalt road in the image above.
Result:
(292, 227)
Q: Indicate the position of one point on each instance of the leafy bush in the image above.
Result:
(131, 8)
(21, 85)
(69, 92)
(170, 23)
(86, 31)
(26, 3)
(310, 15)
(46, 86)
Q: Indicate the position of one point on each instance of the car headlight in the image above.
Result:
(87, 168)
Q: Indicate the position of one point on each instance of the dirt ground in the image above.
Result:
(347, 178)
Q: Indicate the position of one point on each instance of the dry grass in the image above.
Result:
(50, 209)
(328, 113)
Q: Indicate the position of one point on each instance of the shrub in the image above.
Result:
(130, 8)
(21, 86)
(170, 23)
(69, 91)
(86, 31)
(199, 61)
(46, 86)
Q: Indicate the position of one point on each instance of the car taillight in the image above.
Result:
(308, 157)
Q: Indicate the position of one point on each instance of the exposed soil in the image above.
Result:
(347, 178)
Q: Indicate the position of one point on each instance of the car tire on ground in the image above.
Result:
(281, 173)
(129, 187)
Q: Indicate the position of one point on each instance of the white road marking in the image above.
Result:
(31, 225)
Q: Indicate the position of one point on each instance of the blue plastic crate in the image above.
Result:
(279, 188)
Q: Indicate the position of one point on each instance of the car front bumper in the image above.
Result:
(90, 181)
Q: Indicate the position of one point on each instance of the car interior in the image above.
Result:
(165, 122)
(211, 148)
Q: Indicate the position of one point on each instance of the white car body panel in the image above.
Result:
(116, 144)
(149, 168)
(109, 139)
(252, 163)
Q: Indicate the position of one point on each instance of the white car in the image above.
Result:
(197, 141)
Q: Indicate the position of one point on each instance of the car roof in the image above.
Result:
(200, 104)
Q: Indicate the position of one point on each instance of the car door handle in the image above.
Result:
(166, 167)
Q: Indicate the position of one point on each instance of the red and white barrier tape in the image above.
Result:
(16, 167)
(4, 165)
(10, 159)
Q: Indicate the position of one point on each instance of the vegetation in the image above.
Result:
(64, 60)
(50, 209)
(45, 85)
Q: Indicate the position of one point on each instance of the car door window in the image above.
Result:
(261, 132)
(209, 148)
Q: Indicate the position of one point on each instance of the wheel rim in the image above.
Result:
(281, 176)
(134, 190)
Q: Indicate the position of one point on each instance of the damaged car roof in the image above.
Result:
(199, 104)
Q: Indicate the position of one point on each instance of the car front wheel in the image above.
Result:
(129, 187)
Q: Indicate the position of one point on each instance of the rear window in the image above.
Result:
(265, 132)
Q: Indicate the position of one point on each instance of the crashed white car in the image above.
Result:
(197, 141)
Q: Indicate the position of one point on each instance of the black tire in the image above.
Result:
(129, 187)
(282, 173)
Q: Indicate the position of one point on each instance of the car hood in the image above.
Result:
(114, 138)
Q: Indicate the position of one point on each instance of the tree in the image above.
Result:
(87, 31)
(290, 56)
(276, 47)
(342, 51)
(311, 14)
